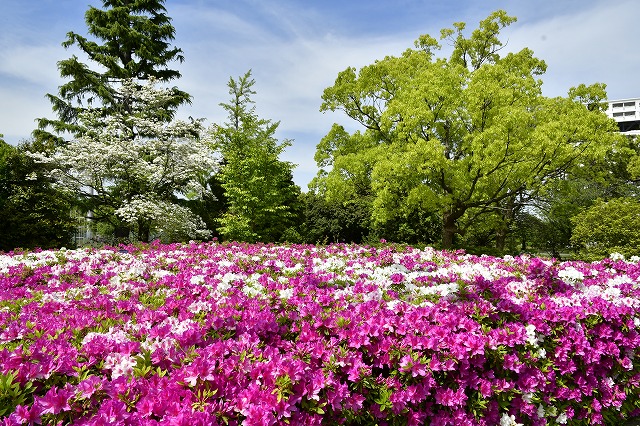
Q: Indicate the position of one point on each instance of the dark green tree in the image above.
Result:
(131, 41)
(211, 206)
(5, 152)
(325, 221)
(32, 212)
(258, 187)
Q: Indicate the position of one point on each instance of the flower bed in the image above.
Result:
(231, 334)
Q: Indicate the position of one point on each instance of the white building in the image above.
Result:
(627, 113)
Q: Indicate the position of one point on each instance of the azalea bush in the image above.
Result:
(233, 334)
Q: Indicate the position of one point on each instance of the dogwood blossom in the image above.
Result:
(132, 167)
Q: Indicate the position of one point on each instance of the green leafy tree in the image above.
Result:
(131, 41)
(461, 137)
(607, 177)
(258, 187)
(32, 212)
(607, 221)
(608, 227)
(133, 170)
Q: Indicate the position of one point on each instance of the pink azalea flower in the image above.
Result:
(54, 401)
(89, 386)
(450, 398)
(258, 416)
(28, 415)
(571, 342)
(626, 363)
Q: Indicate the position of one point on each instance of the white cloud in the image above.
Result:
(290, 72)
(20, 107)
(27, 73)
(32, 64)
(586, 46)
(296, 51)
(294, 57)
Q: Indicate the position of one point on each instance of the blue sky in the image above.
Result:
(296, 48)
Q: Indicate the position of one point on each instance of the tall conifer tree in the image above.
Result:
(131, 42)
(258, 187)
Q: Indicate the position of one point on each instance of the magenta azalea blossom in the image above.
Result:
(55, 401)
(253, 334)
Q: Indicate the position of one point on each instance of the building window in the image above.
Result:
(629, 104)
(618, 114)
(618, 105)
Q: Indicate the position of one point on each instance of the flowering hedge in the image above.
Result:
(231, 334)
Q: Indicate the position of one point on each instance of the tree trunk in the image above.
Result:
(447, 238)
(122, 232)
(501, 236)
(144, 229)
(449, 227)
(503, 229)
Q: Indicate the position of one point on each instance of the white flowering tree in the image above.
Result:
(133, 171)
